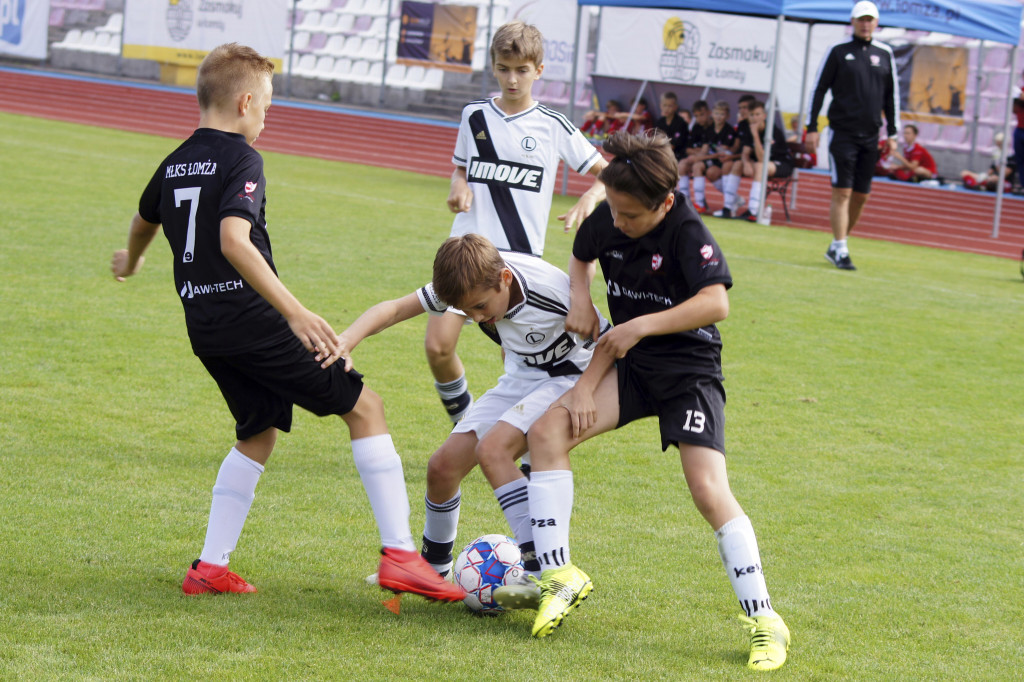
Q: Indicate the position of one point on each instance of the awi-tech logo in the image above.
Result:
(12, 16)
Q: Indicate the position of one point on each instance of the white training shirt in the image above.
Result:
(511, 164)
(533, 332)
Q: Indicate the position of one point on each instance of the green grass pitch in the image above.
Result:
(875, 423)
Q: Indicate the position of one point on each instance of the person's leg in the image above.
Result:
(233, 494)
(754, 197)
(401, 569)
(1018, 151)
(446, 469)
(857, 201)
(699, 182)
(551, 497)
(684, 176)
(449, 374)
(497, 452)
(708, 481)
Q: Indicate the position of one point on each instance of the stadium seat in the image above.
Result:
(344, 24)
(377, 28)
(376, 73)
(342, 69)
(375, 7)
(335, 46)
(71, 39)
(396, 75)
(479, 62)
(324, 69)
(352, 45)
(301, 41)
(414, 76)
(87, 40)
(362, 23)
(310, 22)
(306, 66)
(354, 6)
(996, 84)
(314, 5)
(360, 71)
(433, 79)
(328, 22)
(371, 49)
(317, 41)
(114, 24)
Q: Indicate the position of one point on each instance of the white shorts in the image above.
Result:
(518, 402)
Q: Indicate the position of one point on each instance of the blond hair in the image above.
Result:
(227, 71)
(520, 41)
(464, 264)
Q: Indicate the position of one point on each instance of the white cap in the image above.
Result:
(864, 8)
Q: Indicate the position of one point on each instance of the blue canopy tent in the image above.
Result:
(990, 20)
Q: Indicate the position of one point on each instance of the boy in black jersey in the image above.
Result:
(666, 281)
(673, 125)
(779, 158)
(700, 133)
(264, 349)
(721, 148)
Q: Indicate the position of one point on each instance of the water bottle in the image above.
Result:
(766, 216)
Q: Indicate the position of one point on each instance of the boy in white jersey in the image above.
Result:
(506, 159)
(520, 302)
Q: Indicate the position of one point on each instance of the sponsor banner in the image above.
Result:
(23, 27)
(437, 35)
(183, 31)
(689, 48)
(933, 83)
(556, 20)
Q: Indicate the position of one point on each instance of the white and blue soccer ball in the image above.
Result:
(487, 563)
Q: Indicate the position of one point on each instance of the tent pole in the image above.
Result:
(803, 104)
(978, 78)
(769, 124)
(1006, 144)
(572, 93)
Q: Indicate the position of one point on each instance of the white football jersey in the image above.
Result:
(533, 332)
(511, 163)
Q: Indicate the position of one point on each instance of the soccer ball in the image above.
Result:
(488, 562)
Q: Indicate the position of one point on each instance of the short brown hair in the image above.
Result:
(642, 166)
(518, 40)
(228, 70)
(463, 264)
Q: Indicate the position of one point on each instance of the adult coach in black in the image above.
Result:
(862, 76)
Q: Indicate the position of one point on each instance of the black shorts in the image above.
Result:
(783, 169)
(261, 386)
(853, 159)
(690, 407)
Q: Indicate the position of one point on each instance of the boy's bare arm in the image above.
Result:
(378, 318)
(126, 262)
(312, 330)
(588, 201)
(460, 196)
(582, 319)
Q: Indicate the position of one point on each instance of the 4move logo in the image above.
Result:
(12, 17)
(680, 60)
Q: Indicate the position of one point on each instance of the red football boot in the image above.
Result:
(205, 578)
(406, 571)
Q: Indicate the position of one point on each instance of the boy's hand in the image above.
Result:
(119, 265)
(583, 320)
(575, 216)
(317, 336)
(581, 408)
(344, 351)
(619, 339)
(460, 198)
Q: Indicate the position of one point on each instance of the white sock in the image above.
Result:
(439, 531)
(380, 469)
(718, 184)
(730, 187)
(699, 183)
(551, 494)
(737, 546)
(515, 504)
(840, 246)
(684, 184)
(233, 494)
(754, 199)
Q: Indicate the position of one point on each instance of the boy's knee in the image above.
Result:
(445, 469)
(439, 347)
